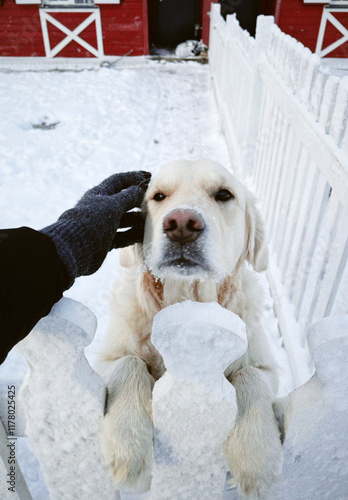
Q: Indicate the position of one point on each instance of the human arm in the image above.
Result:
(32, 279)
(37, 266)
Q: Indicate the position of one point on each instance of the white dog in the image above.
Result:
(201, 227)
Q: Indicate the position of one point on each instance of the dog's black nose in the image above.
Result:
(183, 225)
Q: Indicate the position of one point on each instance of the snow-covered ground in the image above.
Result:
(62, 132)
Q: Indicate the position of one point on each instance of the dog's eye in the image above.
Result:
(223, 195)
(159, 197)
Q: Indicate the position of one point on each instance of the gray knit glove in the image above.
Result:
(84, 234)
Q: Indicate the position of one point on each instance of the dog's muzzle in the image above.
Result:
(184, 249)
(183, 225)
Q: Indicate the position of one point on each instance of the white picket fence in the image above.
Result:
(194, 407)
(285, 121)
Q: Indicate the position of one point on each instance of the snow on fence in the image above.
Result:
(194, 407)
(63, 402)
(285, 121)
(316, 420)
(63, 399)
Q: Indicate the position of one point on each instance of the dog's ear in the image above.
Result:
(130, 256)
(256, 245)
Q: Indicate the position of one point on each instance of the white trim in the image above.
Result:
(333, 3)
(62, 3)
(27, 2)
(327, 16)
(72, 3)
(71, 35)
(67, 10)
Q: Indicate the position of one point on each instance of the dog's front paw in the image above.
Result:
(253, 449)
(127, 445)
(255, 461)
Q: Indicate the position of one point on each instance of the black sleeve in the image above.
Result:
(32, 279)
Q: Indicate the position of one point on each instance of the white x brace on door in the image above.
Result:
(327, 16)
(71, 35)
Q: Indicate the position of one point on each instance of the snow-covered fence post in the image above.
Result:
(234, 56)
(262, 39)
(194, 406)
(316, 420)
(63, 399)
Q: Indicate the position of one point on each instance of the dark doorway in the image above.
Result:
(245, 10)
(173, 22)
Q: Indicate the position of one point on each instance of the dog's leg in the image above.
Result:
(126, 430)
(253, 449)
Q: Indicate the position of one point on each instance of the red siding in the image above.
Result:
(206, 20)
(302, 21)
(124, 28)
(20, 30)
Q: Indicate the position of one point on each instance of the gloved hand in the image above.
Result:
(84, 234)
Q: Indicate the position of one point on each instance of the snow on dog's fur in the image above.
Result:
(201, 228)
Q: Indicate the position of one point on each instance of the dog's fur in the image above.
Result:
(214, 270)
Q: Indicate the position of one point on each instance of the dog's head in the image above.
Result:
(201, 223)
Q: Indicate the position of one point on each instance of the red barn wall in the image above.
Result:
(20, 30)
(302, 20)
(206, 5)
(124, 27)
